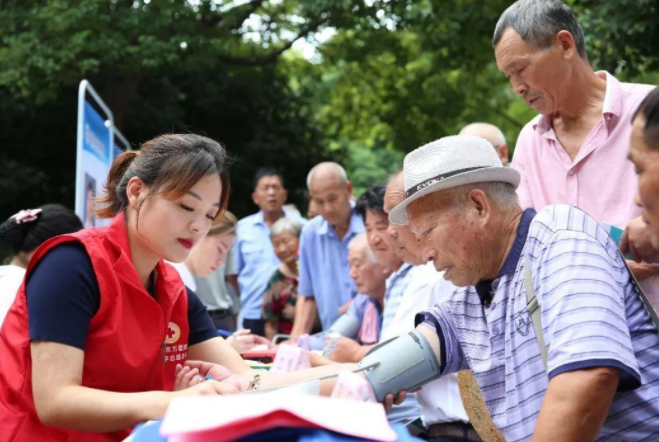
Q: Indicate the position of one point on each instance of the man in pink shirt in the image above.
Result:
(575, 151)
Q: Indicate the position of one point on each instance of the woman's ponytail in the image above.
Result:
(115, 199)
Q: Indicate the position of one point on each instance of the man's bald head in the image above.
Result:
(492, 134)
(327, 171)
(330, 192)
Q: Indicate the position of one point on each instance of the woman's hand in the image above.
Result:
(243, 341)
(190, 382)
(208, 388)
(186, 377)
(215, 371)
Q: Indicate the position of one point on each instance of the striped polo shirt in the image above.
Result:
(591, 317)
(396, 285)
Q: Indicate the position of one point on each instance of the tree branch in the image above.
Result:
(310, 27)
(253, 6)
(220, 18)
(505, 115)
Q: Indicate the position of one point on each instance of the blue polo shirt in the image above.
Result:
(591, 317)
(324, 270)
(255, 261)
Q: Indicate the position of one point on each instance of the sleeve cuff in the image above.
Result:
(629, 379)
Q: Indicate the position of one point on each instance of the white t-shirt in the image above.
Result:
(440, 399)
(186, 275)
(11, 278)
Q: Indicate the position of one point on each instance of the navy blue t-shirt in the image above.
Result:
(63, 297)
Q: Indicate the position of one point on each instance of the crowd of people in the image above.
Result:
(502, 275)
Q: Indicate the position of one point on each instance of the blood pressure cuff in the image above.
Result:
(402, 363)
(347, 325)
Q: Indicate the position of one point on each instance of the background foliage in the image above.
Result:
(393, 75)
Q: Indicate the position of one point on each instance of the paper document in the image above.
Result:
(225, 418)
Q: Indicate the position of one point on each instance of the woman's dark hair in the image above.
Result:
(170, 165)
(372, 199)
(649, 108)
(54, 220)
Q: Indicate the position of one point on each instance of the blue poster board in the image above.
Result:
(97, 138)
(95, 155)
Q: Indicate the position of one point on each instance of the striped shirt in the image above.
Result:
(396, 284)
(591, 317)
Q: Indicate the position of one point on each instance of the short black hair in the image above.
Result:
(372, 199)
(267, 171)
(649, 108)
(54, 220)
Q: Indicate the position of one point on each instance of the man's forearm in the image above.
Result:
(576, 404)
(293, 377)
(305, 315)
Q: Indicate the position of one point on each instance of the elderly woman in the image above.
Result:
(644, 153)
(281, 292)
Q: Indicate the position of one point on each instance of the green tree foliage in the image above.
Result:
(162, 66)
(396, 74)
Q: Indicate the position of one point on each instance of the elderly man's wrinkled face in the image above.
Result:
(380, 242)
(451, 237)
(332, 199)
(269, 194)
(537, 75)
(646, 161)
(369, 276)
(403, 241)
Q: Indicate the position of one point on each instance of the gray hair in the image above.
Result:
(501, 194)
(329, 168)
(285, 225)
(538, 22)
(361, 237)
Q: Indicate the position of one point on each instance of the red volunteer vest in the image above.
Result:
(135, 340)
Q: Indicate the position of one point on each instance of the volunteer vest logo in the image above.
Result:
(523, 322)
(172, 334)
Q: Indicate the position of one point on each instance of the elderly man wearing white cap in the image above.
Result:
(560, 339)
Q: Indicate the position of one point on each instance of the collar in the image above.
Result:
(283, 269)
(324, 227)
(612, 106)
(400, 272)
(259, 218)
(484, 288)
(376, 303)
(117, 233)
(164, 281)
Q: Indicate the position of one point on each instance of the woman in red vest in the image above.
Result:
(91, 344)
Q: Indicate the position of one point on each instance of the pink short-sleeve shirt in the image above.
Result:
(601, 180)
